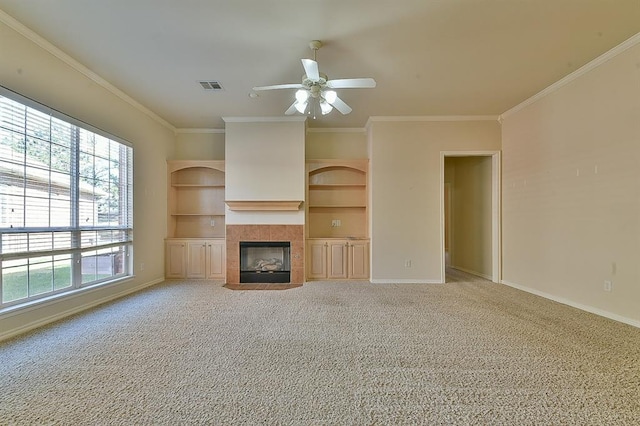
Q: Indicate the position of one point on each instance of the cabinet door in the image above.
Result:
(359, 260)
(338, 256)
(196, 259)
(317, 264)
(176, 254)
(216, 255)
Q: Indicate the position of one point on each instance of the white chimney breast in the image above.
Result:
(265, 161)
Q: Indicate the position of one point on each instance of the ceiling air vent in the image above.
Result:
(211, 85)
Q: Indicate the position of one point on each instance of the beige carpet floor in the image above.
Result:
(464, 353)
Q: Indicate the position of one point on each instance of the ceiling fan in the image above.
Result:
(316, 86)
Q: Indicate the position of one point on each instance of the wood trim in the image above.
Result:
(271, 205)
(175, 165)
(315, 165)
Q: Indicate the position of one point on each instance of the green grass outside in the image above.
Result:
(18, 285)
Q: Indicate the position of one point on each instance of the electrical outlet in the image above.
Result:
(608, 286)
(142, 266)
(213, 222)
(407, 263)
(336, 223)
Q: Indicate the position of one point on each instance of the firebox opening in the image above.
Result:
(265, 262)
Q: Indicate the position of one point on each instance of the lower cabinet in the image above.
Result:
(195, 258)
(175, 259)
(337, 259)
(359, 260)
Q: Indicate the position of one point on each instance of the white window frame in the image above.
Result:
(84, 243)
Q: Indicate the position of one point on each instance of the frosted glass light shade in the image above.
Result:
(301, 106)
(330, 96)
(325, 107)
(302, 96)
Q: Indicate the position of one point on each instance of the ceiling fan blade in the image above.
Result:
(341, 106)
(292, 109)
(311, 69)
(351, 83)
(280, 86)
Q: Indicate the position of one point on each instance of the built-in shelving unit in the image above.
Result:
(337, 219)
(195, 245)
(196, 199)
(337, 199)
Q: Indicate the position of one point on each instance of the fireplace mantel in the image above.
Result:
(270, 205)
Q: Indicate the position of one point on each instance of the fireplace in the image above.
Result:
(265, 262)
(291, 234)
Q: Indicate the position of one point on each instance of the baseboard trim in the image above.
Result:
(385, 281)
(62, 314)
(587, 308)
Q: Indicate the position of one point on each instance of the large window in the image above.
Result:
(66, 203)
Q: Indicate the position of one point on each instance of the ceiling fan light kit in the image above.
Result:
(302, 96)
(325, 107)
(317, 90)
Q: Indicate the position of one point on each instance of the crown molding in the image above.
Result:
(199, 131)
(263, 119)
(336, 130)
(605, 57)
(29, 34)
(431, 118)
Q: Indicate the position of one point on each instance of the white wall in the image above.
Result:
(199, 145)
(265, 161)
(405, 191)
(571, 191)
(342, 144)
(33, 71)
(207, 144)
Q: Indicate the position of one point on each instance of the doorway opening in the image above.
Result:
(470, 213)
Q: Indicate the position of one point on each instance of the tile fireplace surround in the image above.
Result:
(294, 234)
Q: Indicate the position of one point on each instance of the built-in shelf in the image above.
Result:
(337, 185)
(195, 247)
(270, 205)
(336, 220)
(337, 198)
(195, 202)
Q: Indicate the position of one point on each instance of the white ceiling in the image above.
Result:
(429, 57)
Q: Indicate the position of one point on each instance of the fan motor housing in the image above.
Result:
(321, 82)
